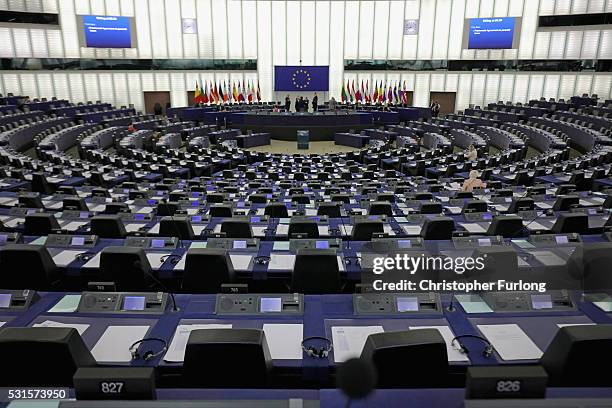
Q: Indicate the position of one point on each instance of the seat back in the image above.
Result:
(108, 226)
(27, 266)
(316, 272)
(206, 269)
(438, 228)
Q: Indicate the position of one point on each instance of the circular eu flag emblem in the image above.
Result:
(301, 78)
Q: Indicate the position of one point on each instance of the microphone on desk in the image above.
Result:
(138, 265)
(357, 379)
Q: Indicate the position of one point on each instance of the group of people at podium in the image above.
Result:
(301, 103)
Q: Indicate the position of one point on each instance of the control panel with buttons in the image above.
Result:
(555, 300)
(396, 303)
(123, 302)
(71, 241)
(259, 304)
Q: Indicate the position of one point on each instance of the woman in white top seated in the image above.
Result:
(473, 182)
(472, 154)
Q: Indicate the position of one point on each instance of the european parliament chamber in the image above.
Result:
(302, 204)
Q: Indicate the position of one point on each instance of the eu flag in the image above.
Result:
(301, 78)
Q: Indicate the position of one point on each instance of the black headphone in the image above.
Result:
(262, 260)
(313, 352)
(149, 354)
(84, 256)
(174, 259)
(486, 352)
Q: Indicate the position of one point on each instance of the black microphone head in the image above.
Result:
(356, 378)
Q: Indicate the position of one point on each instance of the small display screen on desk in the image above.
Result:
(404, 243)
(3, 239)
(484, 242)
(241, 244)
(139, 217)
(487, 217)
(407, 304)
(561, 239)
(541, 302)
(322, 245)
(158, 243)
(84, 215)
(270, 305)
(5, 300)
(196, 218)
(77, 241)
(255, 219)
(134, 303)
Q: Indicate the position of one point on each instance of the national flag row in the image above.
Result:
(219, 93)
(395, 92)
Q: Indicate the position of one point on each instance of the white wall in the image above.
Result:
(322, 32)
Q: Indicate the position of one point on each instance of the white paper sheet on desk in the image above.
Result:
(155, 259)
(114, 345)
(584, 203)
(548, 258)
(9, 201)
(348, 341)
(2, 324)
(281, 262)
(310, 212)
(133, 227)
(501, 207)
(154, 229)
(536, 226)
(412, 229)
(282, 229)
(597, 200)
(73, 225)
(96, 207)
(67, 304)
(13, 223)
(543, 205)
(260, 211)
(93, 262)
(141, 210)
(323, 230)
(473, 227)
(388, 230)
(241, 262)
(361, 211)
(50, 323)
(453, 353)
(346, 229)
(259, 230)
(454, 210)
(65, 257)
(510, 341)
(197, 229)
(176, 351)
(53, 205)
(444, 199)
(284, 340)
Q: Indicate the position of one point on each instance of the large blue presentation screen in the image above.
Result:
(491, 33)
(107, 32)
